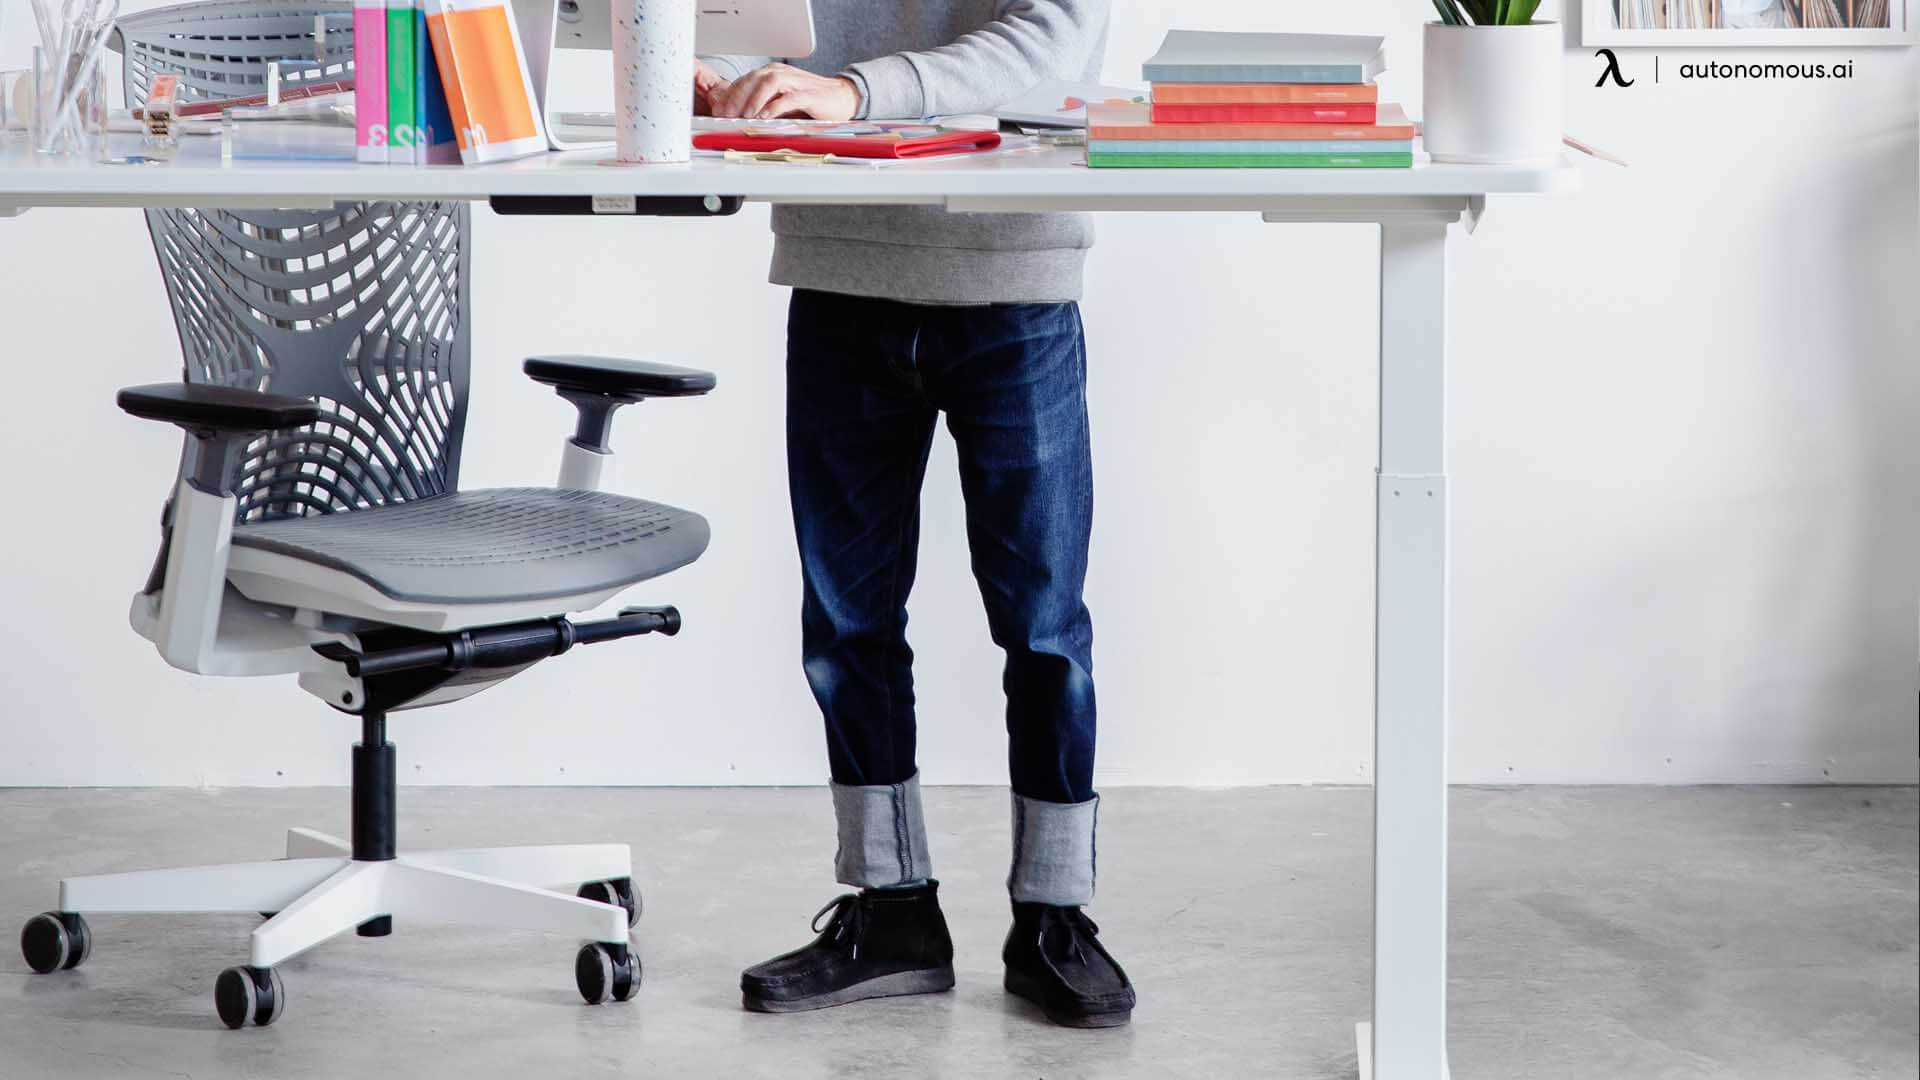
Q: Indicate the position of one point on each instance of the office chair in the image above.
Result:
(317, 529)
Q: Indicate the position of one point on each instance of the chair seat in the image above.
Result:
(491, 546)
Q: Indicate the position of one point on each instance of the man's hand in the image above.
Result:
(783, 90)
(705, 82)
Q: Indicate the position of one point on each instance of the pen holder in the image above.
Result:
(68, 114)
(653, 80)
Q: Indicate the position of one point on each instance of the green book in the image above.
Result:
(1250, 161)
(403, 134)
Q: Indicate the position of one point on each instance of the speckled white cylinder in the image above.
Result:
(653, 80)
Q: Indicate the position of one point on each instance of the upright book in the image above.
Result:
(1212, 56)
(483, 70)
(370, 80)
(403, 84)
(433, 142)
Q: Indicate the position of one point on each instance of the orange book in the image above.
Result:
(1265, 93)
(1134, 122)
(484, 73)
(1264, 114)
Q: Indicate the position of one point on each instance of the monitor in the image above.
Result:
(782, 28)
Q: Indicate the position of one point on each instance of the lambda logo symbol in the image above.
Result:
(1613, 70)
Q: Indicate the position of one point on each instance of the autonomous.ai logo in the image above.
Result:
(1613, 70)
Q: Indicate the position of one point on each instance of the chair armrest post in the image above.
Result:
(597, 386)
(219, 422)
(593, 429)
(198, 544)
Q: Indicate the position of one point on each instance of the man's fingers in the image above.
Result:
(785, 103)
(704, 97)
(762, 92)
(733, 98)
(720, 98)
(728, 98)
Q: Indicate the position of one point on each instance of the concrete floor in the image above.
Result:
(1740, 933)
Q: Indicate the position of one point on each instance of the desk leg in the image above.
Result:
(1408, 1037)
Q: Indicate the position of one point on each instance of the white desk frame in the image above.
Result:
(1407, 1038)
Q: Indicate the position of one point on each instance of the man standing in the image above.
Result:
(899, 314)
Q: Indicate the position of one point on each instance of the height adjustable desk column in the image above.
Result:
(1415, 209)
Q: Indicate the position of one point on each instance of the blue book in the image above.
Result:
(1216, 56)
(432, 123)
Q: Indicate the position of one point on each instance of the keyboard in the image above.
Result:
(605, 120)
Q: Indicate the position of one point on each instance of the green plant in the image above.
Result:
(1487, 12)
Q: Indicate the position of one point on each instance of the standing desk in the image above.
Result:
(1406, 1038)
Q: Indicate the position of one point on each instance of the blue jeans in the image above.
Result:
(866, 380)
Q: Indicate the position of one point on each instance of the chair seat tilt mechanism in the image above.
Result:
(317, 529)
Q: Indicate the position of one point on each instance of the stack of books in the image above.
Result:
(442, 81)
(1275, 101)
(400, 111)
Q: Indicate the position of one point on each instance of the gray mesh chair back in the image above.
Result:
(362, 308)
(221, 48)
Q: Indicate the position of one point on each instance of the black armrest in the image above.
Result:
(217, 408)
(634, 380)
(598, 385)
(219, 420)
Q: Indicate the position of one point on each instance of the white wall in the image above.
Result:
(1685, 435)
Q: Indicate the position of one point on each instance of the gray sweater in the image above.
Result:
(914, 58)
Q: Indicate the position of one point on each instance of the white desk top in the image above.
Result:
(1039, 179)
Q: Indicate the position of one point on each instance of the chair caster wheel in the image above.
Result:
(614, 891)
(55, 941)
(249, 995)
(606, 972)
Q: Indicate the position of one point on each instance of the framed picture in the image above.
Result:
(1711, 23)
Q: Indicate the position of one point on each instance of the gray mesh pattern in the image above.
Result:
(493, 545)
(221, 48)
(362, 309)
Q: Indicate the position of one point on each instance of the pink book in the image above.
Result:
(370, 80)
(1135, 122)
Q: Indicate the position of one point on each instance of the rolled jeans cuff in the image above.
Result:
(883, 834)
(1053, 851)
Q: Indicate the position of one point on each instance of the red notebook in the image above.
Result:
(856, 138)
(1269, 113)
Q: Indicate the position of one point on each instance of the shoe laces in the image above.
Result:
(1076, 924)
(849, 920)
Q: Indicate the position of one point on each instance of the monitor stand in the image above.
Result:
(539, 22)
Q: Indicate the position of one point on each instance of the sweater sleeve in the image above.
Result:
(1028, 42)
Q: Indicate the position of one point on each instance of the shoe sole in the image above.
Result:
(899, 984)
(1024, 986)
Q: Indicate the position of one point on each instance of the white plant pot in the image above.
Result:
(1493, 94)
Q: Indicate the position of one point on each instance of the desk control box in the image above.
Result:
(618, 205)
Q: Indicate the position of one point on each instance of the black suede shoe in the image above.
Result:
(879, 943)
(1055, 960)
